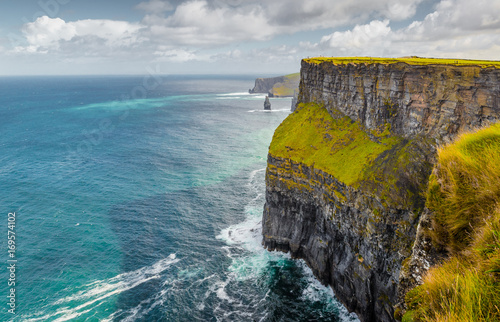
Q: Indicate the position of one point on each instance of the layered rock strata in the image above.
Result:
(436, 100)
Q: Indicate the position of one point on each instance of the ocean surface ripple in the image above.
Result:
(145, 209)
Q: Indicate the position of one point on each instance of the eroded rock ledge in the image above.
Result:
(347, 170)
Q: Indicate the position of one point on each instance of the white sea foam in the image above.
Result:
(270, 111)
(221, 291)
(140, 103)
(94, 294)
(127, 104)
(174, 285)
(252, 179)
(316, 291)
(237, 94)
(250, 264)
(248, 257)
(248, 233)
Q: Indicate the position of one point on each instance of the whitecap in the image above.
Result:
(251, 263)
(221, 291)
(317, 292)
(94, 293)
(270, 111)
(234, 94)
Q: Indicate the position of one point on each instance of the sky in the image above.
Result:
(61, 37)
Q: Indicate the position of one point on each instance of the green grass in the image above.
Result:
(407, 60)
(464, 193)
(337, 146)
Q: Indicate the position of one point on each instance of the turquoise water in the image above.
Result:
(140, 201)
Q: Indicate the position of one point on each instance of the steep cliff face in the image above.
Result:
(435, 100)
(347, 170)
(265, 85)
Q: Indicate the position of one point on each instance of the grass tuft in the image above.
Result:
(464, 188)
(464, 193)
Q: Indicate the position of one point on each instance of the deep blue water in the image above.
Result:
(140, 199)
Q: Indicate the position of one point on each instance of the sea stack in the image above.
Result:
(267, 104)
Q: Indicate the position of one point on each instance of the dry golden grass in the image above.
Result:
(465, 186)
(464, 193)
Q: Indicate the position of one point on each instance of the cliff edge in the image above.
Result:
(348, 170)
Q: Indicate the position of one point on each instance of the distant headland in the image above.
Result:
(281, 86)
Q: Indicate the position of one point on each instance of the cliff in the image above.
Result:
(282, 86)
(347, 171)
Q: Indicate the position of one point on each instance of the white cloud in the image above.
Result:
(220, 22)
(400, 10)
(204, 23)
(196, 23)
(177, 31)
(316, 14)
(360, 37)
(177, 55)
(458, 18)
(275, 55)
(457, 28)
(155, 6)
(46, 34)
(235, 54)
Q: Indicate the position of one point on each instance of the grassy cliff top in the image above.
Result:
(408, 60)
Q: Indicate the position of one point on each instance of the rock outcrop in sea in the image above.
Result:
(347, 170)
(267, 104)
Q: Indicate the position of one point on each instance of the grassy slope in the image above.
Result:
(391, 167)
(407, 60)
(464, 193)
(337, 146)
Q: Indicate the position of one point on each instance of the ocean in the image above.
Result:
(139, 198)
